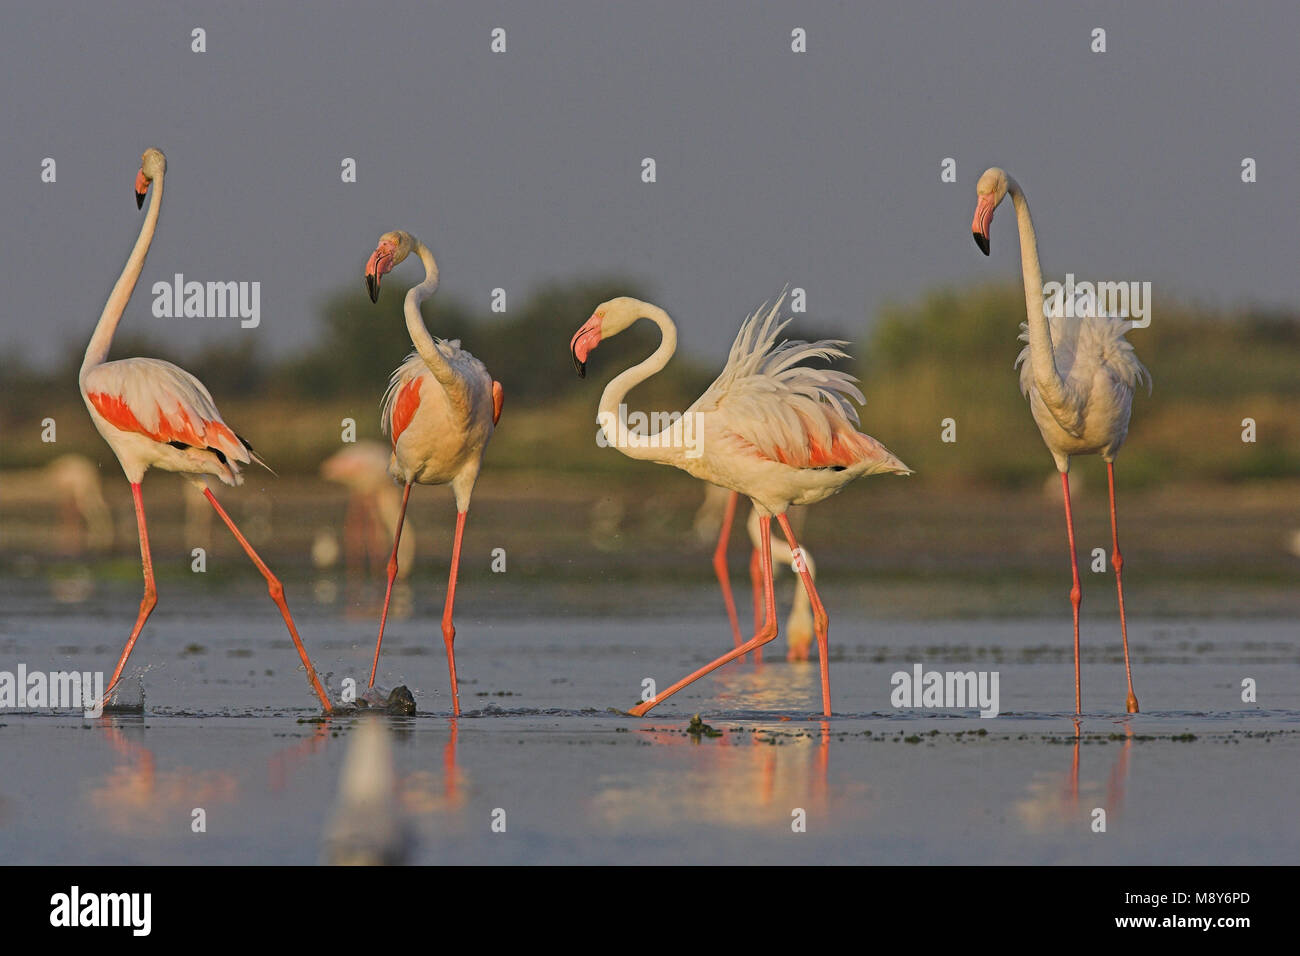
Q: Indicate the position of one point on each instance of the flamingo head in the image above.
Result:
(989, 191)
(393, 248)
(152, 165)
(609, 319)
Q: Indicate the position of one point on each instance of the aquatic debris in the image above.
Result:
(399, 702)
(698, 728)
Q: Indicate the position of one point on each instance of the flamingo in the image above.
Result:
(76, 479)
(156, 415)
(768, 427)
(373, 503)
(1079, 376)
(440, 411)
(799, 626)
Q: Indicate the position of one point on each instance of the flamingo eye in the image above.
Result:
(600, 315)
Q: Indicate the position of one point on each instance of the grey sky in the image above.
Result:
(819, 169)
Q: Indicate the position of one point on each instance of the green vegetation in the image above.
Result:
(947, 356)
(951, 356)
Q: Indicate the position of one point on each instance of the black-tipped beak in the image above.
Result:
(372, 286)
(580, 365)
(139, 200)
(982, 242)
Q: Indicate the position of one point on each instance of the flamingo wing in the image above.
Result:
(402, 399)
(163, 402)
(788, 411)
(1081, 346)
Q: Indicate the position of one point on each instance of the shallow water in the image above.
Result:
(229, 726)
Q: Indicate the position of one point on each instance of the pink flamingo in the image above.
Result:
(769, 427)
(440, 411)
(156, 415)
(373, 504)
(1079, 376)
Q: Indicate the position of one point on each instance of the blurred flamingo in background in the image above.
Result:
(69, 484)
(374, 504)
(75, 478)
(1079, 375)
(440, 411)
(156, 415)
(768, 427)
(715, 516)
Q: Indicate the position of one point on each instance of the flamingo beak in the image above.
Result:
(381, 261)
(141, 187)
(983, 219)
(582, 344)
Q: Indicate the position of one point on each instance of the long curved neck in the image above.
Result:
(415, 326)
(665, 445)
(1042, 360)
(97, 349)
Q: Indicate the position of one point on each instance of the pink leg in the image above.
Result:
(720, 567)
(1117, 560)
(448, 628)
(392, 575)
(150, 598)
(1072, 782)
(821, 622)
(450, 771)
(756, 584)
(764, 635)
(276, 590)
(1076, 593)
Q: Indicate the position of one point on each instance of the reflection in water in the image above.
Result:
(376, 807)
(1052, 798)
(282, 763)
(1119, 775)
(422, 792)
(366, 828)
(749, 777)
(770, 687)
(135, 797)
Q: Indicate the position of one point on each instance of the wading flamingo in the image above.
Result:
(156, 415)
(714, 513)
(768, 427)
(440, 411)
(1079, 375)
(373, 505)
